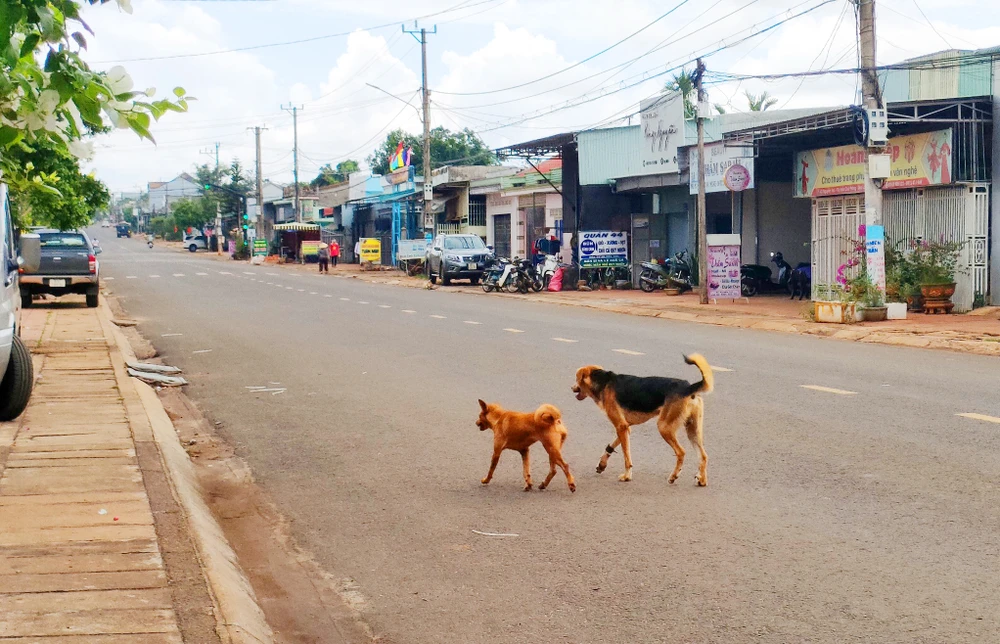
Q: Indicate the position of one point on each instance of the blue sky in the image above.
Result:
(483, 48)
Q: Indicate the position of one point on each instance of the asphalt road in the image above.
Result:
(829, 516)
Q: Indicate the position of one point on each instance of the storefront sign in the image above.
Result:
(603, 248)
(875, 255)
(371, 250)
(718, 161)
(412, 248)
(724, 267)
(310, 248)
(662, 127)
(916, 160)
(260, 247)
(399, 176)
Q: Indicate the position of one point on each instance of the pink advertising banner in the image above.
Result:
(724, 267)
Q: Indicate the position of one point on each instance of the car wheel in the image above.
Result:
(192, 248)
(430, 274)
(15, 387)
(25, 300)
(445, 280)
(93, 298)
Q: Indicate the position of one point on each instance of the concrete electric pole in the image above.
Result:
(260, 184)
(702, 239)
(871, 98)
(295, 154)
(428, 185)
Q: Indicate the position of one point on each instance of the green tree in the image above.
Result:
(49, 94)
(760, 102)
(193, 213)
(683, 82)
(447, 148)
(59, 195)
(234, 177)
(329, 175)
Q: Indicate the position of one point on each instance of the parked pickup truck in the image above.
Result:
(68, 265)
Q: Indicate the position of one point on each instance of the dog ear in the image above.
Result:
(483, 405)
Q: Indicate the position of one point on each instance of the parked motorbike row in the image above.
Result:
(674, 273)
(756, 278)
(518, 275)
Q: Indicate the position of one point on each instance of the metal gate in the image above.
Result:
(953, 213)
(835, 222)
(501, 235)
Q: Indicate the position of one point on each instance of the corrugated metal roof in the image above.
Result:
(608, 153)
(530, 180)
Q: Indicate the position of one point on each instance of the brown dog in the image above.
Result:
(632, 400)
(518, 431)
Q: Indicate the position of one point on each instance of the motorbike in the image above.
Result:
(495, 273)
(524, 277)
(674, 273)
(756, 278)
(547, 270)
(149, 240)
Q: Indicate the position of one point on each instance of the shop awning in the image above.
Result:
(296, 226)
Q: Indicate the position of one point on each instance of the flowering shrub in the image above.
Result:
(935, 262)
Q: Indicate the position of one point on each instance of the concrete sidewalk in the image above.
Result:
(82, 558)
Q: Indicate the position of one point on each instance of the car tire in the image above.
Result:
(445, 280)
(193, 248)
(25, 300)
(15, 387)
(93, 299)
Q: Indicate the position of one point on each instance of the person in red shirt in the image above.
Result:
(334, 252)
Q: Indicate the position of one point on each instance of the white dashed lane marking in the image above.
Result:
(272, 274)
(154, 276)
(988, 419)
(471, 322)
(289, 288)
(301, 290)
(202, 351)
(345, 299)
(178, 274)
(248, 273)
(439, 317)
(629, 352)
(170, 335)
(313, 293)
(381, 306)
(564, 340)
(408, 311)
(830, 390)
(360, 302)
(327, 295)
(130, 277)
(201, 273)
(224, 273)
(513, 330)
(714, 368)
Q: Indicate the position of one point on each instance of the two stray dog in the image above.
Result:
(627, 401)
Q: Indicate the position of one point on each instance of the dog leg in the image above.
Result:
(608, 451)
(623, 433)
(556, 459)
(527, 469)
(695, 434)
(493, 465)
(552, 472)
(668, 423)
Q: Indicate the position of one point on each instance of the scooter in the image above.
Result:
(496, 267)
(674, 273)
(756, 278)
(548, 269)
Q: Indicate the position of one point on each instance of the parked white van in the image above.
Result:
(15, 360)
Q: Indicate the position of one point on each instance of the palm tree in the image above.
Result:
(760, 102)
(683, 82)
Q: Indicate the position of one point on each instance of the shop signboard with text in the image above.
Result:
(661, 124)
(371, 250)
(603, 248)
(412, 249)
(718, 160)
(724, 277)
(916, 160)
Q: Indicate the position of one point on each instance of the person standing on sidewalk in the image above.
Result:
(323, 254)
(334, 252)
(357, 252)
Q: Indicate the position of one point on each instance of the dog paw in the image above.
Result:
(527, 488)
(671, 480)
(572, 487)
(542, 486)
(485, 481)
(625, 478)
(601, 468)
(702, 482)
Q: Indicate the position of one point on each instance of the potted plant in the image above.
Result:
(872, 302)
(900, 283)
(834, 305)
(935, 265)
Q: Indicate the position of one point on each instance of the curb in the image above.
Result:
(239, 618)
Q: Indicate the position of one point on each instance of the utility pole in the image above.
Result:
(209, 153)
(702, 239)
(428, 184)
(260, 186)
(870, 98)
(295, 154)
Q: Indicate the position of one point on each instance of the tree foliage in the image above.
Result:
(329, 175)
(59, 195)
(447, 148)
(683, 82)
(760, 102)
(193, 213)
(233, 177)
(51, 98)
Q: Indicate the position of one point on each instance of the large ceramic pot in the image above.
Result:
(834, 312)
(937, 297)
(874, 313)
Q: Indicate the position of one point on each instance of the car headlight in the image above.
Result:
(454, 259)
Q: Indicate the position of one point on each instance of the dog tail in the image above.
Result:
(548, 414)
(707, 380)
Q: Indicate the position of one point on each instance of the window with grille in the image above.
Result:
(477, 210)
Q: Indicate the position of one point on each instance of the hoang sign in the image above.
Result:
(916, 160)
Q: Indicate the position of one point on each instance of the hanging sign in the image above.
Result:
(875, 255)
(718, 160)
(737, 178)
(603, 248)
(724, 267)
(915, 160)
(662, 126)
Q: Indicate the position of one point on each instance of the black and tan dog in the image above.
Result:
(633, 400)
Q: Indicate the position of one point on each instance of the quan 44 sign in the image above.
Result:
(603, 248)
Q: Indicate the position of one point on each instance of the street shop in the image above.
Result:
(297, 241)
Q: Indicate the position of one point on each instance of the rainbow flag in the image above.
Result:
(400, 158)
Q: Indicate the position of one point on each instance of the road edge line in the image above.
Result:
(239, 617)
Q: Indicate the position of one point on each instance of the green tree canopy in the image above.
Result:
(193, 213)
(683, 82)
(760, 102)
(59, 195)
(447, 148)
(233, 177)
(329, 175)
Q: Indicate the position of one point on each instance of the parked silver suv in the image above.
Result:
(461, 257)
(16, 375)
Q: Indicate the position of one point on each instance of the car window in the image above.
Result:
(461, 243)
(63, 240)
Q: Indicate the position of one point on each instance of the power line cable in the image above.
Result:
(931, 24)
